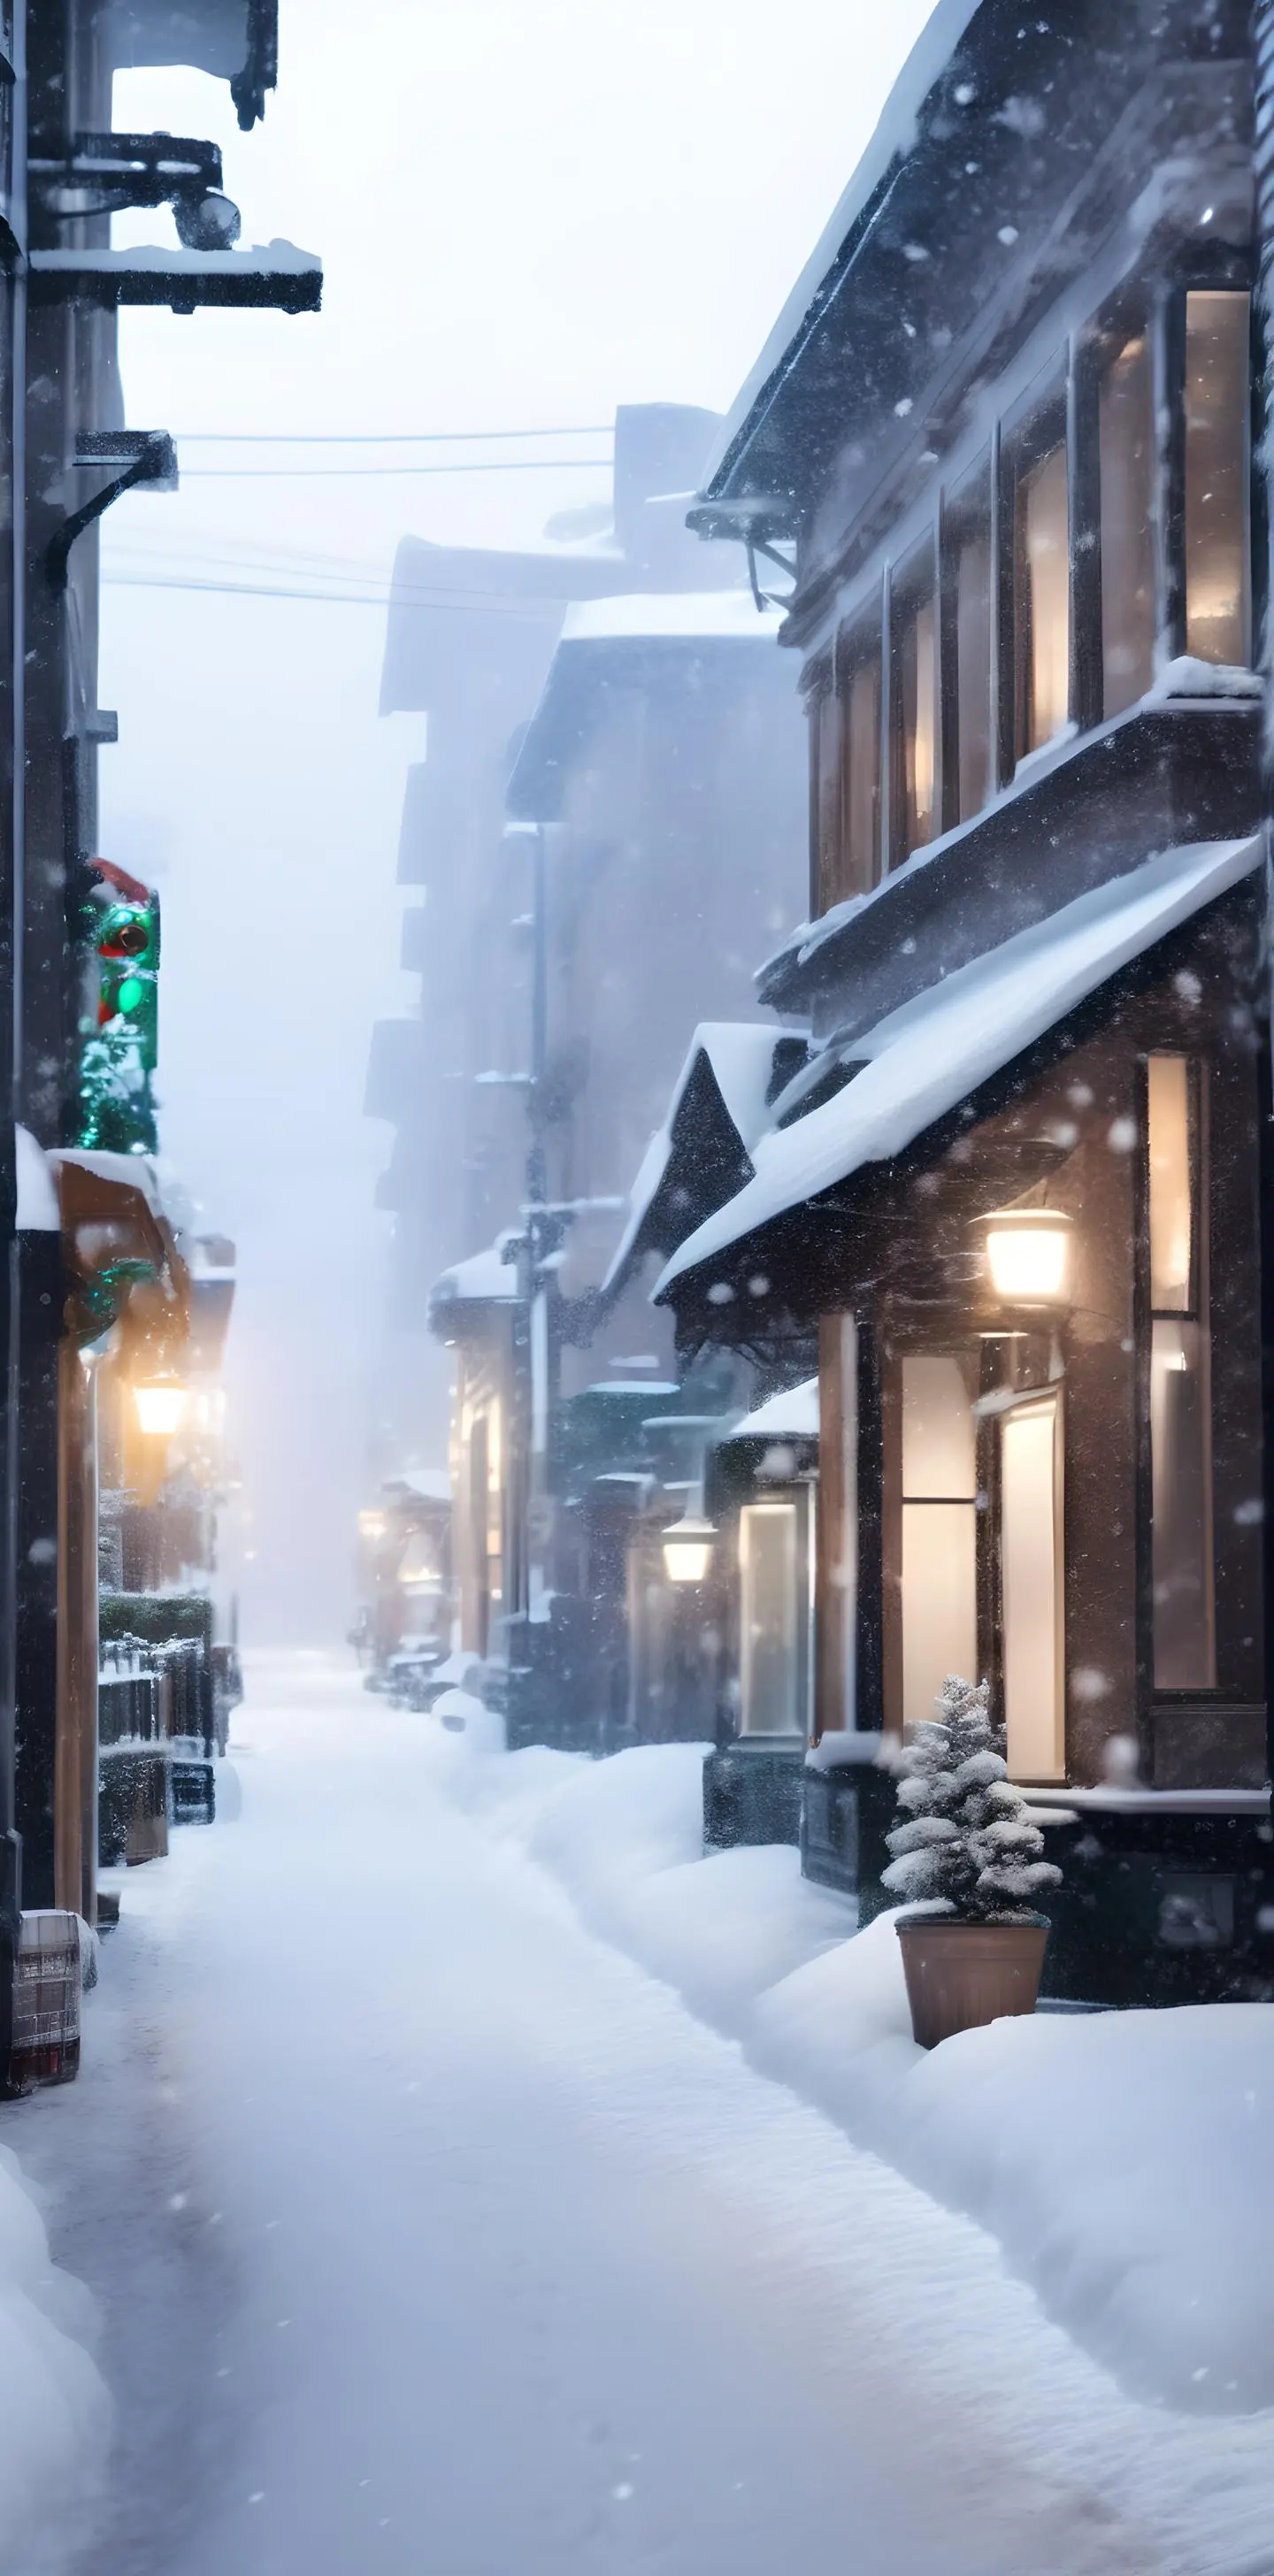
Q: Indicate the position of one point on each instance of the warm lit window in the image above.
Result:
(773, 1620)
(1217, 441)
(970, 558)
(939, 1530)
(1031, 1585)
(914, 629)
(861, 722)
(1041, 605)
(1127, 468)
(1180, 1392)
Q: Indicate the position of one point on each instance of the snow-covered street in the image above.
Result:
(430, 2233)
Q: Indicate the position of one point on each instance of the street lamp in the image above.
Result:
(160, 1406)
(688, 1549)
(1028, 1255)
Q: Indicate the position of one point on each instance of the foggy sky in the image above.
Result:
(528, 212)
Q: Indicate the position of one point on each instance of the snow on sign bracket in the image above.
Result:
(275, 274)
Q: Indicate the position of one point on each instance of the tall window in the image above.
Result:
(939, 1529)
(773, 1620)
(861, 723)
(1180, 1393)
(1217, 476)
(1041, 584)
(969, 635)
(827, 748)
(1031, 1585)
(914, 705)
(1127, 470)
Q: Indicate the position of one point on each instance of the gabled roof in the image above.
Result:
(925, 1058)
(719, 1107)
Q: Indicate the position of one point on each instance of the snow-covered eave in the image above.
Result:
(708, 1042)
(792, 1414)
(804, 307)
(941, 1046)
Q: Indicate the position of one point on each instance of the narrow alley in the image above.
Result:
(429, 2234)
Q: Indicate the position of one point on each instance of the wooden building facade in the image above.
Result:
(1005, 434)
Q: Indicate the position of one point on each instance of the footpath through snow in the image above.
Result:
(430, 2232)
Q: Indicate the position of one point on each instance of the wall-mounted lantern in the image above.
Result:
(160, 1406)
(687, 1548)
(1028, 1254)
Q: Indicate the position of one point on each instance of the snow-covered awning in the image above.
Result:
(271, 273)
(485, 1279)
(608, 641)
(922, 1060)
(792, 1414)
(739, 1055)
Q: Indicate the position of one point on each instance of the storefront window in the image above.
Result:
(1180, 1389)
(772, 1621)
(915, 710)
(939, 1530)
(1042, 595)
(1127, 468)
(1217, 472)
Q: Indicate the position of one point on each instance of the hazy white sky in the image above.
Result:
(528, 211)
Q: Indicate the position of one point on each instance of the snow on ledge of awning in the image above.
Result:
(925, 1058)
(37, 1210)
(485, 1278)
(792, 1414)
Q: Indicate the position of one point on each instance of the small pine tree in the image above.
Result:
(964, 1834)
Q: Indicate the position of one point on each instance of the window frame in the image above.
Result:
(914, 580)
(1033, 429)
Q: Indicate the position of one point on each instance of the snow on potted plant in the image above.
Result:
(965, 1840)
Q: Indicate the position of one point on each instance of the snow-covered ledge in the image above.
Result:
(1152, 1802)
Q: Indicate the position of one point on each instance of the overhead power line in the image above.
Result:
(381, 437)
(356, 473)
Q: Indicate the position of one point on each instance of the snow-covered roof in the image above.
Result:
(892, 140)
(925, 1058)
(37, 1210)
(688, 615)
(432, 1484)
(646, 640)
(486, 1277)
(792, 1414)
(740, 1054)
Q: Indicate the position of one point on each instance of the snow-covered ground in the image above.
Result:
(429, 2231)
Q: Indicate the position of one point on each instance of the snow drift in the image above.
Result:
(1119, 2159)
(54, 2409)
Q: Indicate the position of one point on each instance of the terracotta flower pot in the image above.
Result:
(963, 1975)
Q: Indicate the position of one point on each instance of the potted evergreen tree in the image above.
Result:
(964, 1838)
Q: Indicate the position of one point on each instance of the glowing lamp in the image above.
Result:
(688, 1549)
(160, 1407)
(371, 1526)
(1028, 1255)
